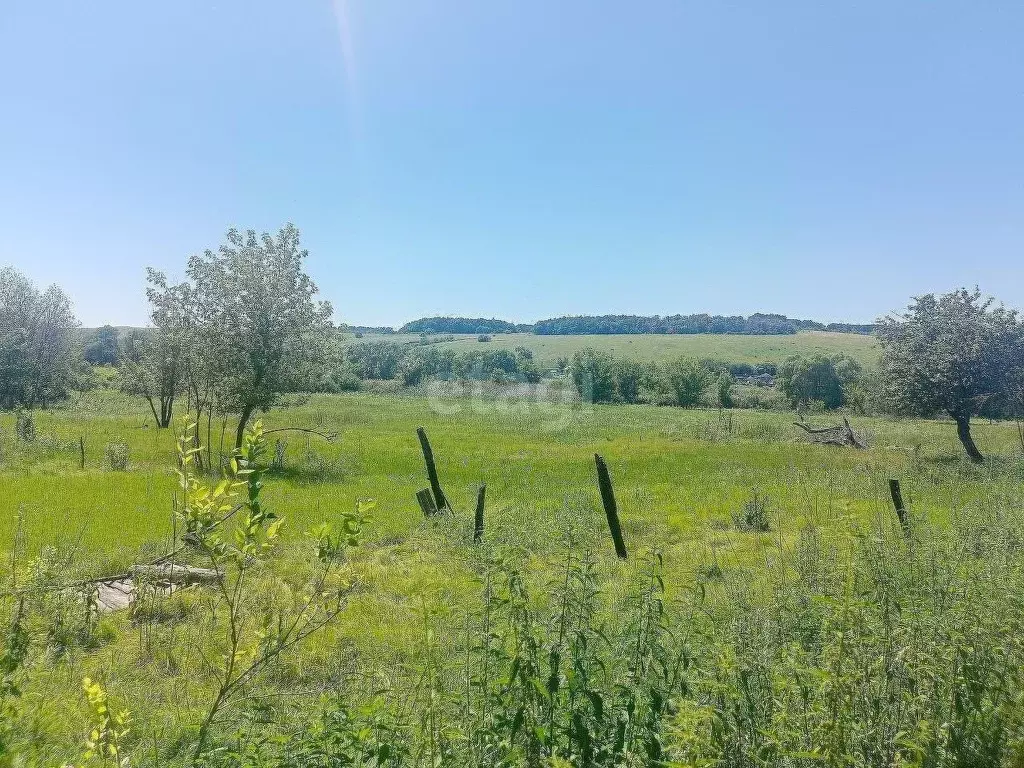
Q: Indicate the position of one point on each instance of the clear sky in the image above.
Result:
(522, 159)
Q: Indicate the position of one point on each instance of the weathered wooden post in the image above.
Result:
(81, 453)
(478, 522)
(426, 502)
(604, 482)
(428, 459)
(901, 510)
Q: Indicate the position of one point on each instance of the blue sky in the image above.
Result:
(522, 159)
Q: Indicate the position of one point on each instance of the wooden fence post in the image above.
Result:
(426, 502)
(604, 482)
(428, 459)
(901, 510)
(81, 453)
(478, 522)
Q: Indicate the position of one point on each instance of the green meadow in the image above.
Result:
(681, 479)
(677, 470)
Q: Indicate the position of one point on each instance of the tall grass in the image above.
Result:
(890, 653)
(828, 639)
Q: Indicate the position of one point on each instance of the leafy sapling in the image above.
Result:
(255, 631)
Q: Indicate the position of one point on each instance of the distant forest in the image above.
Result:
(757, 324)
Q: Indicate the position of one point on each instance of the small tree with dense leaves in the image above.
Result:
(818, 378)
(40, 357)
(261, 325)
(593, 373)
(687, 380)
(957, 354)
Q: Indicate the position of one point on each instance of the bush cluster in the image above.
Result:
(414, 364)
(603, 378)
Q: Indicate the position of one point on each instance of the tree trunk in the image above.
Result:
(166, 412)
(963, 431)
(243, 421)
(156, 416)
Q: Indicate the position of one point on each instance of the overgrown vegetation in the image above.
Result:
(790, 638)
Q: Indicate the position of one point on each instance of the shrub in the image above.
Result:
(725, 399)
(117, 457)
(593, 373)
(755, 515)
(483, 337)
(818, 378)
(631, 377)
(25, 426)
(687, 380)
(412, 370)
(376, 359)
(343, 377)
(759, 398)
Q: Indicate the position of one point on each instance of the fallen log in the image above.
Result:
(841, 435)
(174, 573)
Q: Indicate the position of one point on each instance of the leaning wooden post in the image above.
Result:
(901, 510)
(81, 453)
(426, 502)
(604, 481)
(428, 458)
(478, 522)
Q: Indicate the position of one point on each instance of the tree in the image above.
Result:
(39, 353)
(822, 378)
(377, 359)
(593, 373)
(102, 346)
(150, 370)
(154, 363)
(631, 376)
(956, 353)
(725, 398)
(259, 320)
(687, 379)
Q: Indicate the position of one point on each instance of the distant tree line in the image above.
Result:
(758, 324)
(865, 329)
(690, 324)
(360, 330)
(463, 325)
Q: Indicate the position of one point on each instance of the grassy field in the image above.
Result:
(680, 477)
(685, 465)
(724, 347)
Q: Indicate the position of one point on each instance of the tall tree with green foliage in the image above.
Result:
(40, 355)
(260, 321)
(957, 353)
(827, 379)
